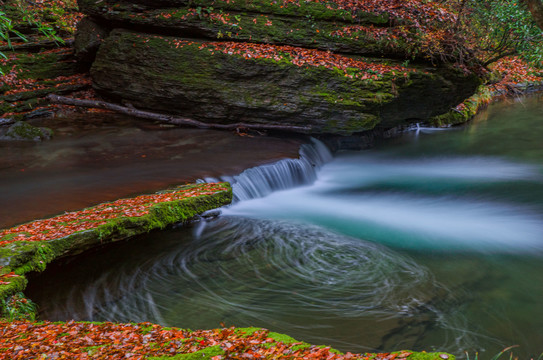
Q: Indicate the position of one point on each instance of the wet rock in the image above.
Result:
(143, 63)
(88, 38)
(23, 131)
(164, 74)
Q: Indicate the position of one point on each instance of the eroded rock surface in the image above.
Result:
(291, 63)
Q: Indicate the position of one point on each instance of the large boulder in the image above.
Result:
(292, 63)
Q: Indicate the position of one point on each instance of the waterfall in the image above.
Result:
(284, 174)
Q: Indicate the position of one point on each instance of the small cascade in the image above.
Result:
(262, 180)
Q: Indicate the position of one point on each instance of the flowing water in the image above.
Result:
(431, 241)
(103, 157)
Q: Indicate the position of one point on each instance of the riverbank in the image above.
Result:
(30, 247)
(21, 340)
(516, 78)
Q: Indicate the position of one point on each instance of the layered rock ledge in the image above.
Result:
(281, 62)
(31, 246)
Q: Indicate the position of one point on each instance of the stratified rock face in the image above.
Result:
(364, 27)
(149, 62)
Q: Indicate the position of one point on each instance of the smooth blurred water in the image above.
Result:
(95, 158)
(432, 241)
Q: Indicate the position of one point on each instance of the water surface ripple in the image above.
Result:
(430, 241)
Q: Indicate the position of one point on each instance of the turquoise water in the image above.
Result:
(431, 241)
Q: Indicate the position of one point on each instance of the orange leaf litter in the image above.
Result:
(67, 224)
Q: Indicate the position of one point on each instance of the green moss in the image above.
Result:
(42, 71)
(41, 66)
(146, 329)
(92, 350)
(24, 131)
(426, 355)
(209, 81)
(469, 108)
(285, 339)
(310, 10)
(308, 24)
(248, 331)
(204, 354)
(360, 123)
(24, 257)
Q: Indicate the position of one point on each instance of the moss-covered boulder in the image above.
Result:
(226, 82)
(369, 28)
(286, 62)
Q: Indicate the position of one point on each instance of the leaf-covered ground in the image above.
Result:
(515, 71)
(83, 340)
(515, 76)
(71, 222)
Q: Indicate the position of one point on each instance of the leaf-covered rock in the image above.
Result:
(287, 62)
(227, 82)
(31, 246)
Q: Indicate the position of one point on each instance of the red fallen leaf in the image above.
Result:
(11, 274)
(64, 225)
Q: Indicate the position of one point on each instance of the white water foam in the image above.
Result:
(285, 174)
(427, 203)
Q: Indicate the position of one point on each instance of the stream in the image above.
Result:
(95, 158)
(429, 241)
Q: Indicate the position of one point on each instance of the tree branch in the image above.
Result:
(498, 57)
(171, 119)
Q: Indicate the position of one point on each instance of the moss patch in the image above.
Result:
(204, 354)
(466, 110)
(26, 132)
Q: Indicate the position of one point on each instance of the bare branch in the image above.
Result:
(171, 119)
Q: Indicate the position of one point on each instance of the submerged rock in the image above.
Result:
(26, 132)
